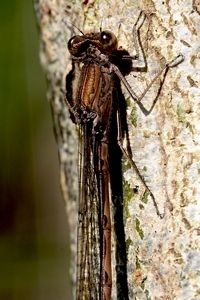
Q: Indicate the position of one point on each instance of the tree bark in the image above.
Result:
(163, 254)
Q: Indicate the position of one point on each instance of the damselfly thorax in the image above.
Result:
(93, 56)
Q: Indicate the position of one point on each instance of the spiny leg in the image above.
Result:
(173, 63)
(139, 62)
(128, 154)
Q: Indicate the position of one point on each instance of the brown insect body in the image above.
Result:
(92, 107)
(97, 105)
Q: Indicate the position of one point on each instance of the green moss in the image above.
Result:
(141, 206)
(180, 113)
(133, 116)
(144, 198)
(137, 264)
(128, 194)
(128, 101)
(187, 223)
(129, 243)
(125, 165)
(139, 229)
(147, 295)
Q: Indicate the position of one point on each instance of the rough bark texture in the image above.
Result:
(163, 254)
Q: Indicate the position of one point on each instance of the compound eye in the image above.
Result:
(108, 41)
(71, 42)
(77, 45)
(106, 37)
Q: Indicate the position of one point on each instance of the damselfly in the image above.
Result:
(97, 106)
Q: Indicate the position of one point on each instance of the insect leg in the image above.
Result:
(128, 154)
(139, 60)
(173, 63)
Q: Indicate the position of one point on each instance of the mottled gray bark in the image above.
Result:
(163, 254)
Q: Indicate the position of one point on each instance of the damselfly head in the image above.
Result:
(105, 41)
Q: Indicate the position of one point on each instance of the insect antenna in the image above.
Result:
(74, 26)
(77, 28)
(100, 28)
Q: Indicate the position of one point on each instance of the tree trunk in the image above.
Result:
(163, 253)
